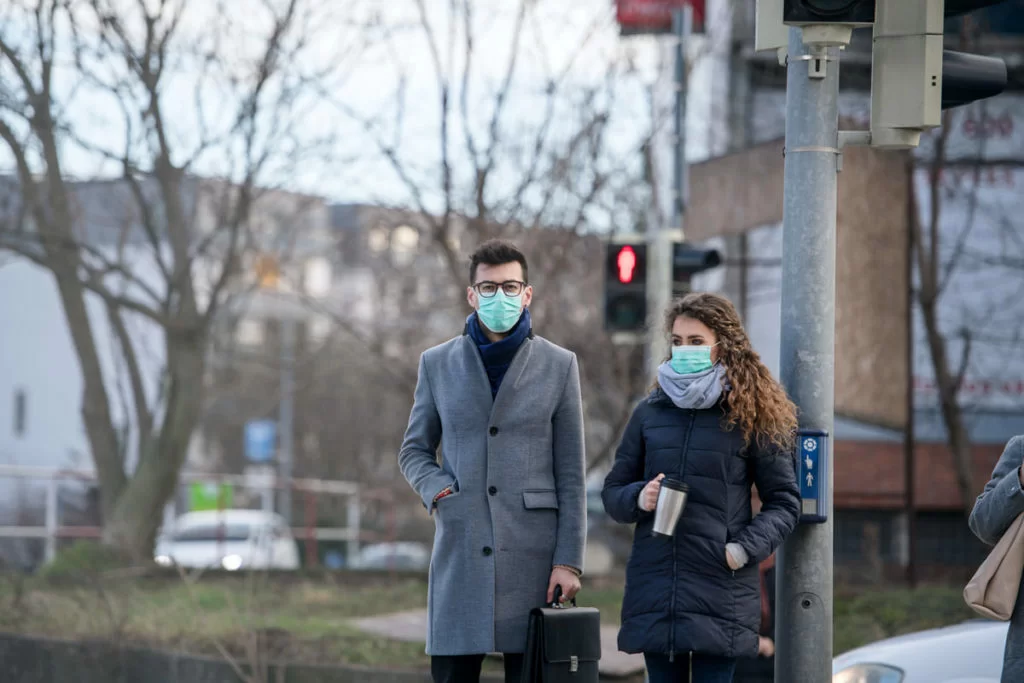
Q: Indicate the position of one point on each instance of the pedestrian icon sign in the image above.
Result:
(812, 475)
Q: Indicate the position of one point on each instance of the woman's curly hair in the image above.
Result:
(757, 402)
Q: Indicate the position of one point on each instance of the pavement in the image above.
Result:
(411, 627)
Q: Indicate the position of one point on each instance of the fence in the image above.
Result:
(310, 490)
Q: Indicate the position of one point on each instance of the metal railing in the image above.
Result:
(52, 530)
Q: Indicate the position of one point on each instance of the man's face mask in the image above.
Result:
(500, 311)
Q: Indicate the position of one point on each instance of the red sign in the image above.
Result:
(626, 263)
(655, 16)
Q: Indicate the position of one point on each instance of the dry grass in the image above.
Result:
(299, 619)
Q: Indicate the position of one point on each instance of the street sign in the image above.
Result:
(812, 470)
(260, 440)
(205, 496)
(654, 17)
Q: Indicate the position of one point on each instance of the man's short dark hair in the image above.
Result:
(496, 253)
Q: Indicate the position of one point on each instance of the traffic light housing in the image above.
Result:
(815, 12)
(687, 261)
(914, 79)
(625, 298)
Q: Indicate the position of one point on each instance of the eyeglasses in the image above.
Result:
(488, 289)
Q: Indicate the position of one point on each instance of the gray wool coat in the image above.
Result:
(517, 464)
(997, 506)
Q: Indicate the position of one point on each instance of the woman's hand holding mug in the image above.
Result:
(649, 496)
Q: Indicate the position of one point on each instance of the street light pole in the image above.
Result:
(660, 237)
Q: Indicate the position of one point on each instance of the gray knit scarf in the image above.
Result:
(693, 392)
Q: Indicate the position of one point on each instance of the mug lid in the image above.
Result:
(674, 484)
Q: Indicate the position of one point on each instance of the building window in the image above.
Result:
(377, 240)
(319, 328)
(404, 242)
(20, 412)
(318, 277)
(250, 332)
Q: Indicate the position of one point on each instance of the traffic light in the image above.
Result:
(808, 12)
(625, 297)
(687, 261)
(914, 79)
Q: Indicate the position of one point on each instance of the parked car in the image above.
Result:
(971, 652)
(402, 556)
(228, 539)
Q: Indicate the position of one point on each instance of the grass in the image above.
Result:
(882, 613)
(299, 619)
(308, 618)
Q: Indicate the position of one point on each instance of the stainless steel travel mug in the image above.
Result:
(671, 501)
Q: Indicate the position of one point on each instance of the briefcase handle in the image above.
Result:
(557, 604)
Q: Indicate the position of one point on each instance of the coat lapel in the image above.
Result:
(479, 387)
(513, 376)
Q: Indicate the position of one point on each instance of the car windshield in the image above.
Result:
(213, 532)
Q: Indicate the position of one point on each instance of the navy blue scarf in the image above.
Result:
(497, 356)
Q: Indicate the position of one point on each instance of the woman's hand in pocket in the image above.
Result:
(649, 496)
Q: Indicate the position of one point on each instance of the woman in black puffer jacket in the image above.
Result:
(720, 423)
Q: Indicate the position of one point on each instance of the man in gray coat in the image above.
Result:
(508, 496)
(994, 510)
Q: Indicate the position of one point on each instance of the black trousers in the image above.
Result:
(466, 668)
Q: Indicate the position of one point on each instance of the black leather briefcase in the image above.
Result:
(563, 644)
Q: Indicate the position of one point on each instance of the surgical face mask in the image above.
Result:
(690, 360)
(501, 312)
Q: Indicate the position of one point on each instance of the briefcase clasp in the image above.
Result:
(574, 664)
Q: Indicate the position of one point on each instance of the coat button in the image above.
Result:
(493, 490)
(494, 431)
(487, 550)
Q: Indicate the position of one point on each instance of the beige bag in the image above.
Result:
(992, 591)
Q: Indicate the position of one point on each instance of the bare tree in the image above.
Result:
(523, 146)
(969, 281)
(189, 88)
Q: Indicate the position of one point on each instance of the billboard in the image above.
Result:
(638, 17)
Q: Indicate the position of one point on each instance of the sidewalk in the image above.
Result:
(412, 627)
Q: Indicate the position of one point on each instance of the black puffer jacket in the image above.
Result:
(681, 595)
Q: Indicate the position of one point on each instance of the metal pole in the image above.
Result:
(682, 26)
(660, 236)
(354, 522)
(804, 579)
(286, 416)
(909, 437)
(52, 519)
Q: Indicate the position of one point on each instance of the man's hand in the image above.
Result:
(765, 647)
(649, 496)
(570, 583)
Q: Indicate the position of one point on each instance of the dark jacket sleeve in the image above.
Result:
(1002, 499)
(623, 484)
(774, 474)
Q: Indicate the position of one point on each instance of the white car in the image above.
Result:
(971, 652)
(401, 556)
(228, 539)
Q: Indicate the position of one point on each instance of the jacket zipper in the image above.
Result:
(675, 556)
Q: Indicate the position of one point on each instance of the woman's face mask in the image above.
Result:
(691, 360)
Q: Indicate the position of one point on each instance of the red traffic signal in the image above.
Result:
(625, 278)
(625, 264)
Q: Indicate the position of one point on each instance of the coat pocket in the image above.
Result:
(540, 499)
